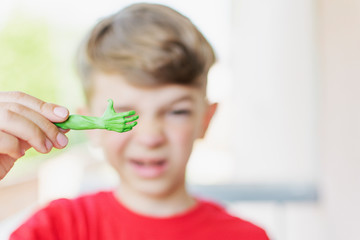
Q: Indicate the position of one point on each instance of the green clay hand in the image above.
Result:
(112, 121)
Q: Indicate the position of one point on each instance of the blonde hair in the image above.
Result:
(149, 44)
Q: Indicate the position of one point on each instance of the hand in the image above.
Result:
(26, 122)
(118, 122)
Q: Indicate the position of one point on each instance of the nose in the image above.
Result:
(149, 133)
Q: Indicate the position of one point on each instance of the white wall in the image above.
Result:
(275, 91)
(339, 44)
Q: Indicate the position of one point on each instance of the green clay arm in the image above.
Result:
(80, 122)
(112, 121)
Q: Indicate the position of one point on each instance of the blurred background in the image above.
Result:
(283, 150)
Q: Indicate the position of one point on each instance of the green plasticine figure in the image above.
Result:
(112, 121)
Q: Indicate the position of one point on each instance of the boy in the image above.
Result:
(153, 60)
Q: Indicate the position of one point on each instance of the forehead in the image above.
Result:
(122, 92)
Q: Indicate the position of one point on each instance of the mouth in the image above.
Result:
(149, 168)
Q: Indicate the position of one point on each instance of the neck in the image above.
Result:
(164, 205)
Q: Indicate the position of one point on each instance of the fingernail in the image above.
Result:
(48, 144)
(61, 112)
(61, 139)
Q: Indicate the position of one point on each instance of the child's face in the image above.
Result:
(152, 157)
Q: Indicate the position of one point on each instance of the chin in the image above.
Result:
(155, 189)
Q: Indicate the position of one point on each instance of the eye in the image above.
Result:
(180, 112)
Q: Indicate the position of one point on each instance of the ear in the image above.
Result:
(211, 109)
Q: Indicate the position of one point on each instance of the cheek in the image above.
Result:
(181, 138)
(113, 144)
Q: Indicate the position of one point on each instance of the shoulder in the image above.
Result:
(220, 220)
(82, 200)
(70, 205)
(62, 217)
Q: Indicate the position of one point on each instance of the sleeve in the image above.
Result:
(48, 223)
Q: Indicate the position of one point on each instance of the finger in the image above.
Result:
(126, 129)
(22, 128)
(51, 131)
(131, 125)
(130, 119)
(6, 163)
(53, 112)
(127, 114)
(24, 145)
(63, 130)
(10, 146)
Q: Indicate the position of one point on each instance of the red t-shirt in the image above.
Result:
(101, 216)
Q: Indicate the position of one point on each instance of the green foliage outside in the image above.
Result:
(29, 63)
